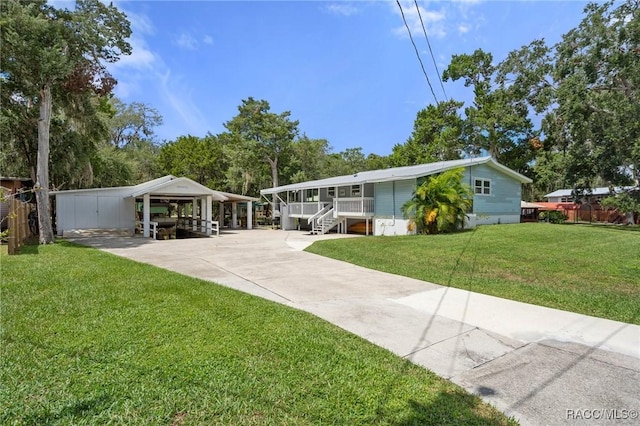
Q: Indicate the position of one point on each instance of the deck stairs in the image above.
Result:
(325, 222)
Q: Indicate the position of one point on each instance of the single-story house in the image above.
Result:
(595, 194)
(166, 203)
(585, 207)
(376, 197)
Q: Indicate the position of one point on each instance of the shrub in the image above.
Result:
(553, 216)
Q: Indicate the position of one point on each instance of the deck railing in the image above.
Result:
(305, 209)
(153, 228)
(199, 225)
(356, 206)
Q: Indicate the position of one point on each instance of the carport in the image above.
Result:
(164, 205)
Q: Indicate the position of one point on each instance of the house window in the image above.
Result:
(312, 195)
(482, 186)
(331, 191)
(343, 192)
(355, 190)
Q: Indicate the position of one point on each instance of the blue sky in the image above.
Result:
(346, 70)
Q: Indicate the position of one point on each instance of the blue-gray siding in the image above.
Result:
(506, 192)
(390, 196)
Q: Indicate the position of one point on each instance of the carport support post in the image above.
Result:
(249, 215)
(194, 212)
(208, 207)
(146, 214)
(234, 215)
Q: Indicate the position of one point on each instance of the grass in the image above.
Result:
(90, 338)
(593, 270)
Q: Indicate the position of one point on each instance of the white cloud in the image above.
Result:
(140, 24)
(141, 56)
(179, 98)
(434, 20)
(145, 71)
(187, 41)
(440, 18)
(344, 9)
(207, 39)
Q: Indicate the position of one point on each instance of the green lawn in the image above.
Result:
(90, 338)
(593, 270)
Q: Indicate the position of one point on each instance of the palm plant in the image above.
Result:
(440, 204)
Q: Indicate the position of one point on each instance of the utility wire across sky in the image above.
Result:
(424, 29)
(417, 52)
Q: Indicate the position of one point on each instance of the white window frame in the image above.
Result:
(331, 191)
(482, 186)
(356, 190)
(311, 195)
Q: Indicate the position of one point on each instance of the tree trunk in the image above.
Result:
(274, 170)
(274, 180)
(630, 218)
(42, 172)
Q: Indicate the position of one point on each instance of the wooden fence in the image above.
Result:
(18, 224)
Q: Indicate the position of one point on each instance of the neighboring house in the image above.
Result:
(376, 197)
(168, 201)
(585, 207)
(567, 195)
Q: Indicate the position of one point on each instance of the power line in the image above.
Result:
(430, 51)
(417, 53)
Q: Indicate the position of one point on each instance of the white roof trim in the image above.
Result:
(161, 186)
(397, 173)
(238, 197)
(156, 187)
(602, 190)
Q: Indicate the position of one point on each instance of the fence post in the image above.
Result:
(21, 219)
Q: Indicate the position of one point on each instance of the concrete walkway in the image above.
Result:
(539, 365)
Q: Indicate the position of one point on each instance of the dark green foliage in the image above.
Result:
(553, 216)
(440, 204)
(438, 134)
(587, 87)
(200, 159)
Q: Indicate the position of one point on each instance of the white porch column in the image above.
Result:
(194, 214)
(234, 215)
(249, 215)
(209, 209)
(146, 214)
(221, 214)
(203, 214)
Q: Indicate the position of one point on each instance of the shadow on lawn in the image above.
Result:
(457, 407)
(78, 410)
(607, 226)
(30, 247)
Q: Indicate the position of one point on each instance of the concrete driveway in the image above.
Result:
(539, 365)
